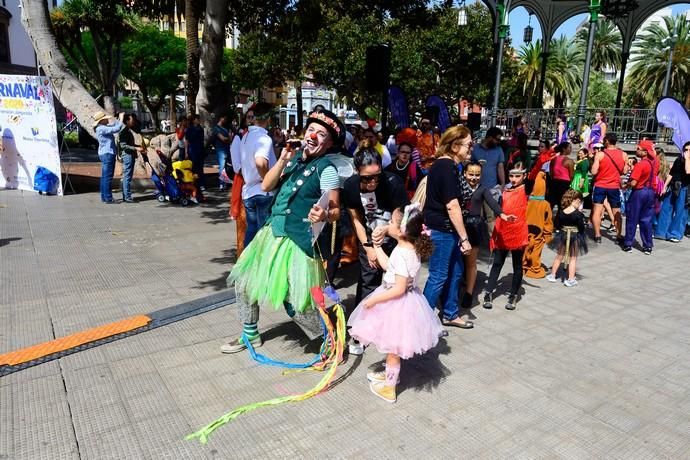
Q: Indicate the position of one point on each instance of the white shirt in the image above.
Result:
(386, 157)
(255, 144)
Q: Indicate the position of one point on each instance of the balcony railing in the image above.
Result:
(630, 125)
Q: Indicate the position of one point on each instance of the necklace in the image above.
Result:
(403, 168)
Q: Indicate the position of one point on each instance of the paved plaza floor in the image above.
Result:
(601, 370)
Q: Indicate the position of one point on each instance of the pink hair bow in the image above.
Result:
(425, 230)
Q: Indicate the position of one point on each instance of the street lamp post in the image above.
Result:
(502, 10)
(594, 9)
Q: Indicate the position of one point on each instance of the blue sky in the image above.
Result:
(519, 19)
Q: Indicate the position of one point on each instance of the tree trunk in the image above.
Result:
(68, 89)
(298, 96)
(191, 18)
(212, 98)
(173, 111)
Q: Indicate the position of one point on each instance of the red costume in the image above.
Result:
(512, 235)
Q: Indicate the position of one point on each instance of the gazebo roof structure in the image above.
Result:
(628, 15)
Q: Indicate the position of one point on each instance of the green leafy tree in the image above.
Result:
(650, 61)
(529, 69)
(563, 70)
(608, 43)
(99, 62)
(153, 60)
(601, 93)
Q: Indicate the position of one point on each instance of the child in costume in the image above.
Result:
(509, 237)
(570, 239)
(580, 180)
(539, 226)
(396, 317)
(475, 224)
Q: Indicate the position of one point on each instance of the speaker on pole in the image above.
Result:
(378, 68)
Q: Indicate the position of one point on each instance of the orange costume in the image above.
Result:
(540, 226)
(237, 212)
(511, 235)
(426, 145)
(542, 159)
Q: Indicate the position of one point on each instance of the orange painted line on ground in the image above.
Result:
(80, 338)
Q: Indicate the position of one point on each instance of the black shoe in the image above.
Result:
(487, 302)
(597, 239)
(620, 240)
(129, 201)
(647, 251)
(512, 300)
(627, 248)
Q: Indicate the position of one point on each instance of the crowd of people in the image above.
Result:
(420, 194)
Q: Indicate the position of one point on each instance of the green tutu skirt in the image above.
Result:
(273, 270)
(580, 183)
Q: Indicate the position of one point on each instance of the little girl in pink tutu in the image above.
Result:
(396, 317)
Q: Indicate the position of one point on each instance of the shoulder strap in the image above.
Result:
(619, 169)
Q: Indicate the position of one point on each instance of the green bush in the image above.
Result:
(125, 103)
(72, 139)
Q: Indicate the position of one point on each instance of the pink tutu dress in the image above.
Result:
(404, 326)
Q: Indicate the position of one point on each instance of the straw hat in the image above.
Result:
(98, 116)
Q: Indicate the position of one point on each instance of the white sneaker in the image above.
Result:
(356, 348)
(551, 279)
(570, 283)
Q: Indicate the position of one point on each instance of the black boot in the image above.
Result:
(487, 301)
(512, 300)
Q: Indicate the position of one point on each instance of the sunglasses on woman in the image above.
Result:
(372, 178)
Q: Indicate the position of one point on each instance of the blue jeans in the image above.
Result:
(258, 209)
(222, 156)
(127, 174)
(445, 273)
(107, 171)
(673, 216)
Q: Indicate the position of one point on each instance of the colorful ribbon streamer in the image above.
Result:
(334, 343)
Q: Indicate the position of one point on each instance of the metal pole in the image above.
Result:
(621, 80)
(588, 63)
(502, 11)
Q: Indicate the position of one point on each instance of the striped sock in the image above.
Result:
(251, 330)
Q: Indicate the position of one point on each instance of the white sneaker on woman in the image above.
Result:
(570, 283)
(551, 279)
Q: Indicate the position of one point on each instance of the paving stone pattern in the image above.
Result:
(596, 371)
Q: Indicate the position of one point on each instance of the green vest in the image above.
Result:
(299, 189)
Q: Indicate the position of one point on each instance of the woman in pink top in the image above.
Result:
(561, 171)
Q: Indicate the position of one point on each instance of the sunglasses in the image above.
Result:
(516, 175)
(369, 179)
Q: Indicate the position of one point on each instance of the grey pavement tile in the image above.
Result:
(535, 383)
(116, 443)
(45, 439)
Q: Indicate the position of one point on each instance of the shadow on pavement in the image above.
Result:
(6, 241)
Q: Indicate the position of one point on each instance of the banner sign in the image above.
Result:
(671, 113)
(29, 140)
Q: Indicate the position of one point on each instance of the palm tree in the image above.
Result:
(651, 56)
(563, 70)
(608, 42)
(529, 62)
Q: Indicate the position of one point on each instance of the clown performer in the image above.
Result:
(280, 265)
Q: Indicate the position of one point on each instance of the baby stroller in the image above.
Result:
(186, 181)
(165, 183)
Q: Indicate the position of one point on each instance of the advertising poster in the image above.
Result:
(29, 150)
